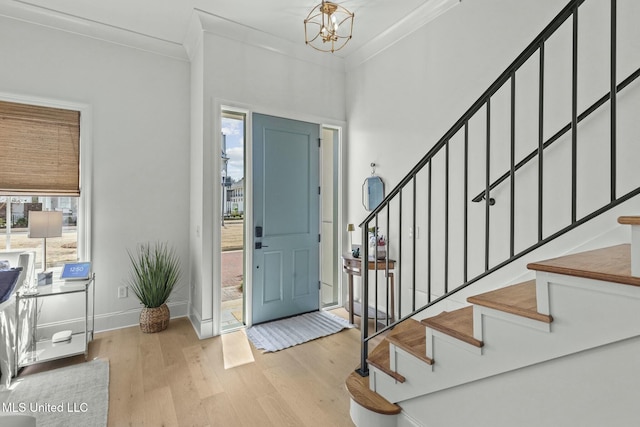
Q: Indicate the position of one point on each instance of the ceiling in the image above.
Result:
(168, 20)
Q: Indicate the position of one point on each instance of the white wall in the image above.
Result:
(255, 79)
(403, 100)
(140, 165)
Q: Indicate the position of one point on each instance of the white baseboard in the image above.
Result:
(203, 328)
(125, 319)
(108, 321)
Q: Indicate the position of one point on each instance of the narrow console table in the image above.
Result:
(353, 267)
(45, 350)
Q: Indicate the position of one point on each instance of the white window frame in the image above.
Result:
(86, 166)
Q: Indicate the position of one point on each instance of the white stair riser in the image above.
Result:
(587, 314)
(635, 250)
(592, 312)
(405, 362)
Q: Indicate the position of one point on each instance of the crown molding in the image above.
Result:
(206, 22)
(429, 11)
(27, 12)
(222, 27)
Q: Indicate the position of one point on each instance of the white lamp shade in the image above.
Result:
(45, 224)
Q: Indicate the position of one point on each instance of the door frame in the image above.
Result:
(219, 105)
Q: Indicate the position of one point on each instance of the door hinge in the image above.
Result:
(319, 238)
(319, 142)
(319, 285)
(319, 192)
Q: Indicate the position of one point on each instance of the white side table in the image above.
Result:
(45, 350)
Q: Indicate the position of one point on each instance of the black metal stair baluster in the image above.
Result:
(413, 285)
(398, 271)
(386, 264)
(446, 218)
(364, 303)
(512, 171)
(487, 196)
(429, 243)
(466, 202)
(375, 271)
(613, 95)
(574, 119)
(540, 141)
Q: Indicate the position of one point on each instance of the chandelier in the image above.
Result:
(328, 27)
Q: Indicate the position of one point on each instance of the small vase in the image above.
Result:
(377, 246)
(154, 319)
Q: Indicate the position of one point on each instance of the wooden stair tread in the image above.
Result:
(410, 335)
(611, 264)
(519, 299)
(380, 358)
(629, 220)
(457, 323)
(360, 392)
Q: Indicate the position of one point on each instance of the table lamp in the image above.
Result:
(44, 224)
(350, 228)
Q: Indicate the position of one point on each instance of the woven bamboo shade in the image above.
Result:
(40, 150)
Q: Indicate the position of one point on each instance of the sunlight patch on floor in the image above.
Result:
(236, 349)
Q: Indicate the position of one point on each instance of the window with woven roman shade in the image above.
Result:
(40, 150)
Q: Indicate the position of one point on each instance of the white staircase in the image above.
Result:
(577, 303)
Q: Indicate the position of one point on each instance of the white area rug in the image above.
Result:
(281, 334)
(76, 395)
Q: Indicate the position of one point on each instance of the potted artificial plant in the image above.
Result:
(155, 270)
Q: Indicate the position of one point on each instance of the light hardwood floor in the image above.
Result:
(173, 379)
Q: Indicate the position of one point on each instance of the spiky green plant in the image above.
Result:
(155, 270)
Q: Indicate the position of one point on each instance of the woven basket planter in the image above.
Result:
(154, 319)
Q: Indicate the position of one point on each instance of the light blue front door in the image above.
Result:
(285, 218)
